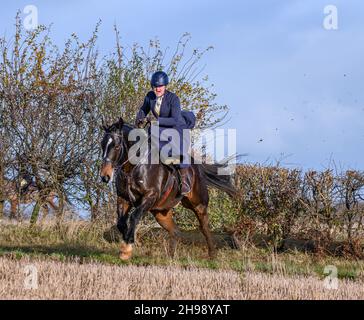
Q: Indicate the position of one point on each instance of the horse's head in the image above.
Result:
(112, 149)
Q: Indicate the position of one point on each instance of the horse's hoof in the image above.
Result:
(126, 251)
(124, 256)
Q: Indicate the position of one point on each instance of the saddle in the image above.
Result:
(172, 167)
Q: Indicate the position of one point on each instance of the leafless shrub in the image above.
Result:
(320, 206)
(320, 197)
(351, 208)
(270, 196)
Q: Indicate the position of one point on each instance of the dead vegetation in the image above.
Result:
(72, 280)
(324, 209)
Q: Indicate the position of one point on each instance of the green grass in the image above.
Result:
(84, 242)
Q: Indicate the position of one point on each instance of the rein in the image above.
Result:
(119, 166)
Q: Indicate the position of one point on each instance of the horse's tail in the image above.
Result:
(214, 178)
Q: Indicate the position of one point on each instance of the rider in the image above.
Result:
(166, 108)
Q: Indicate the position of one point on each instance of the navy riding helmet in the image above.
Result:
(159, 78)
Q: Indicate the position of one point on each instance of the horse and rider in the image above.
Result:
(159, 187)
(24, 191)
(165, 107)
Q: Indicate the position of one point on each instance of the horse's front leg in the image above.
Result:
(123, 208)
(127, 247)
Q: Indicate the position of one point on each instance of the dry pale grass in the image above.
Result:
(72, 280)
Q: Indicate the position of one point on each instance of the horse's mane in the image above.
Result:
(129, 126)
(126, 127)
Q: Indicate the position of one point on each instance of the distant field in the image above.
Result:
(73, 261)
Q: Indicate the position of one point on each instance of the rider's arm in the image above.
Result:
(144, 109)
(175, 114)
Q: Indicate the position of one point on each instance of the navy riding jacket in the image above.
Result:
(170, 115)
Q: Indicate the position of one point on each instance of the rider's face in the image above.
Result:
(159, 91)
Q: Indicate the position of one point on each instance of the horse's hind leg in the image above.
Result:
(202, 215)
(203, 218)
(198, 200)
(165, 219)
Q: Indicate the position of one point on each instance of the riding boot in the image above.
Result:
(185, 181)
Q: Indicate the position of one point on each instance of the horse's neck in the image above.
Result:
(124, 162)
(128, 167)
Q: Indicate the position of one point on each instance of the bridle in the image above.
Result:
(114, 163)
(121, 136)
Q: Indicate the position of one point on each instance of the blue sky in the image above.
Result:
(295, 89)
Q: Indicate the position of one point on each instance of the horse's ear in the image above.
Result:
(104, 126)
(120, 123)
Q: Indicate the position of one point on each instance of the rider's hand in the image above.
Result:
(140, 123)
(149, 119)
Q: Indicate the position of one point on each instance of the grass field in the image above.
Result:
(73, 261)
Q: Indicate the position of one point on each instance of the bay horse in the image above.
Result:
(155, 188)
(24, 192)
